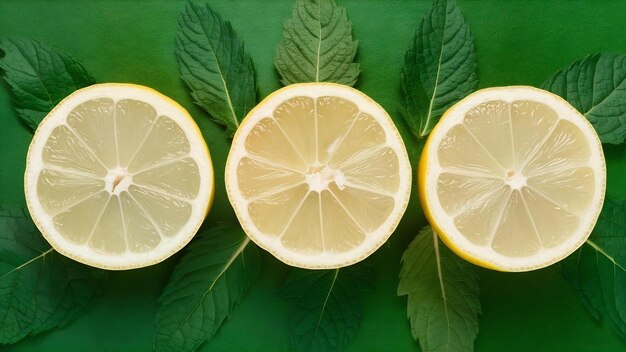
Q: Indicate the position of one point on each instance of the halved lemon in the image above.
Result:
(318, 175)
(118, 176)
(512, 178)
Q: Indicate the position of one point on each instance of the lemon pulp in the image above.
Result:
(513, 178)
(115, 176)
(318, 175)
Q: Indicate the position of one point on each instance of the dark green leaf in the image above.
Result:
(39, 288)
(214, 65)
(326, 306)
(212, 276)
(219, 265)
(598, 268)
(40, 77)
(596, 86)
(442, 295)
(439, 67)
(317, 45)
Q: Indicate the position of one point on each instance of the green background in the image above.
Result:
(518, 43)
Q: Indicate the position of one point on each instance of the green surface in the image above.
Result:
(518, 42)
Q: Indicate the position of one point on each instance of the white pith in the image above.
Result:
(118, 179)
(319, 177)
(514, 179)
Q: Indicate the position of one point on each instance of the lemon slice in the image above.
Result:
(512, 178)
(118, 176)
(318, 175)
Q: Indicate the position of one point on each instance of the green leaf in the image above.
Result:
(39, 288)
(326, 306)
(219, 265)
(214, 65)
(212, 276)
(442, 295)
(317, 45)
(596, 86)
(40, 77)
(597, 270)
(439, 67)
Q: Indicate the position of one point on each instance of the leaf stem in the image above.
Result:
(599, 249)
(330, 290)
(227, 265)
(43, 254)
(441, 284)
(425, 129)
(319, 43)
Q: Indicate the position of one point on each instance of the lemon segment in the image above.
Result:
(118, 176)
(512, 178)
(318, 175)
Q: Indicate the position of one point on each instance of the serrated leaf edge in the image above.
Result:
(422, 129)
(425, 131)
(228, 26)
(227, 265)
(590, 60)
(319, 40)
(31, 124)
(226, 90)
(402, 291)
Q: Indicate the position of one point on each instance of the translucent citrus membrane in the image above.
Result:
(510, 185)
(117, 177)
(319, 166)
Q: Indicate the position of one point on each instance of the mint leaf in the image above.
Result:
(439, 67)
(597, 270)
(40, 77)
(39, 288)
(317, 45)
(220, 263)
(326, 310)
(596, 86)
(214, 65)
(442, 295)
(212, 276)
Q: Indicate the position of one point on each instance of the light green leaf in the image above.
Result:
(39, 76)
(597, 270)
(214, 65)
(39, 288)
(326, 311)
(317, 45)
(596, 86)
(439, 67)
(212, 276)
(442, 295)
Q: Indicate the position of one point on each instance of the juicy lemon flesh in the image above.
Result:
(318, 175)
(515, 177)
(117, 177)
